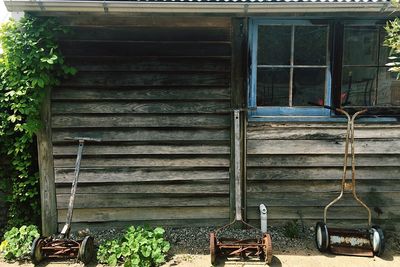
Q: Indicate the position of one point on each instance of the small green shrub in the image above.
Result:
(292, 229)
(17, 242)
(139, 247)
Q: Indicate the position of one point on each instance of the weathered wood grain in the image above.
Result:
(101, 93)
(332, 222)
(293, 187)
(176, 189)
(143, 64)
(143, 134)
(155, 162)
(322, 147)
(83, 201)
(144, 21)
(316, 213)
(148, 213)
(122, 225)
(160, 100)
(114, 175)
(140, 120)
(129, 149)
(46, 169)
(324, 160)
(149, 33)
(143, 79)
(295, 168)
(262, 126)
(302, 174)
(137, 107)
(372, 199)
(145, 48)
(323, 133)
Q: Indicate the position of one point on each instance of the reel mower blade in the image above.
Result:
(350, 242)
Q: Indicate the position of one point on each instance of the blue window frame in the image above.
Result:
(290, 67)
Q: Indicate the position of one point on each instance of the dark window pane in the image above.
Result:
(388, 89)
(273, 87)
(310, 45)
(384, 50)
(360, 46)
(274, 45)
(358, 86)
(308, 86)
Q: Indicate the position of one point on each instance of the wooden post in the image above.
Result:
(238, 101)
(238, 165)
(46, 170)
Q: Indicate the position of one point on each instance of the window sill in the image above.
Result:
(371, 119)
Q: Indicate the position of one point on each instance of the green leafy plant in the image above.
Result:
(17, 242)
(140, 247)
(392, 40)
(30, 62)
(292, 229)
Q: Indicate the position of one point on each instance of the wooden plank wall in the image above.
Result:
(156, 90)
(295, 169)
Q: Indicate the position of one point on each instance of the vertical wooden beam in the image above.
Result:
(238, 101)
(46, 170)
(238, 165)
(336, 59)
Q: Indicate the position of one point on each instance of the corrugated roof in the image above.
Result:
(256, 1)
(201, 6)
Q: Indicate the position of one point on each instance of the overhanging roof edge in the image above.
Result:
(193, 7)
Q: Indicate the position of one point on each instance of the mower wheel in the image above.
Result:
(213, 248)
(86, 250)
(267, 247)
(36, 250)
(321, 236)
(377, 240)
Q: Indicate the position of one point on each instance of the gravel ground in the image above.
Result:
(195, 240)
(190, 248)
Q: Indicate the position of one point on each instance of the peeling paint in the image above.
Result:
(352, 241)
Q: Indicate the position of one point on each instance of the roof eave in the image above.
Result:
(193, 7)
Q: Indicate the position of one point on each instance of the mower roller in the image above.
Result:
(357, 242)
(61, 246)
(260, 246)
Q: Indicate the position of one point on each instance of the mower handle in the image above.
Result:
(341, 110)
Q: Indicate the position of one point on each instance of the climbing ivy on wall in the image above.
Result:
(392, 40)
(30, 62)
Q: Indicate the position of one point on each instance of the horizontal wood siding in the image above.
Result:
(157, 92)
(295, 169)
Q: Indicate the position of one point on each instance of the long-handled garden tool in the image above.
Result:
(61, 246)
(260, 246)
(359, 242)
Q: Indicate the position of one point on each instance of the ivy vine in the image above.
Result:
(392, 40)
(30, 62)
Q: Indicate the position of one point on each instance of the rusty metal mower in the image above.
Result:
(61, 246)
(260, 246)
(358, 242)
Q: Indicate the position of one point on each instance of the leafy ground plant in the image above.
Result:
(17, 242)
(292, 229)
(139, 247)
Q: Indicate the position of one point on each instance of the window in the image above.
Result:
(292, 67)
(365, 78)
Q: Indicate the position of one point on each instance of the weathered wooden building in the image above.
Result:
(157, 81)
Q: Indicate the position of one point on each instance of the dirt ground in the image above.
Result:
(297, 252)
(300, 259)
